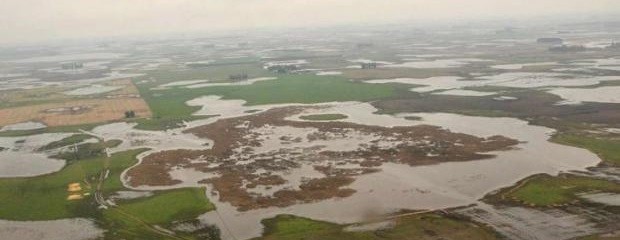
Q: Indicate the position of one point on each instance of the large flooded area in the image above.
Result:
(435, 186)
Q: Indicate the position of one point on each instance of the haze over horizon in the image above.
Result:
(26, 21)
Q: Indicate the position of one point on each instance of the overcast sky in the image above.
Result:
(41, 20)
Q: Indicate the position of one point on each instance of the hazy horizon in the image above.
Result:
(29, 21)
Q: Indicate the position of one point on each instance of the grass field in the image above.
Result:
(323, 117)
(221, 72)
(73, 139)
(546, 190)
(161, 208)
(422, 226)
(606, 149)
(45, 197)
(169, 105)
(133, 219)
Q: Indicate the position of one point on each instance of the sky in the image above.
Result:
(24, 21)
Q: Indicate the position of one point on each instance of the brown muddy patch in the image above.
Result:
(265, 160)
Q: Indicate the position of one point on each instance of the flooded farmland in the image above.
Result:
(475, 130)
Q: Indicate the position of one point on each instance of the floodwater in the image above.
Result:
(511, 79)
(421, 187)
(611, 199)
(461, 92)
(23, 126)
(63, 229)
(439, 63)
(92, 89)
(578, 95)
(244, 82)
(21, 158)
(528, 223)
(71, 57)
(521, 65)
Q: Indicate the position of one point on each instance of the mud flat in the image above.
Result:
(65, 229)
(266, 177)
(21, 159)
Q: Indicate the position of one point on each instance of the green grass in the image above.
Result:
(73, 139)
(45, 197)
(323, 117)
(167, 206)
(422, 226)
(546, 190)
(133, 219)
(169, 106)
(88, 150)
(606, 149)
(215, 72)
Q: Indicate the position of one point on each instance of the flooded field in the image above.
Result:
(350, 131)
(434, 186)
(69, 229)
(20, 156)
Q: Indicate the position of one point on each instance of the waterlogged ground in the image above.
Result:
(315, 139)
(410, 186)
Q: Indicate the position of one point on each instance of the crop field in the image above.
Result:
(75, 112)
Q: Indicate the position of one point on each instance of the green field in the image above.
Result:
(546, 190)
(45, 197)
(134, 219)
(73, 139)
(323, 117)
(420, 226)
(177, 204)
(606, 149)
(169, 105)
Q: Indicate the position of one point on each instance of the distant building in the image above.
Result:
(364, 45)
(370, 65)
(283, 68)
(238, 77)
(613, 45)
(567, 48)
(550, 40)
(72, 65)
